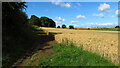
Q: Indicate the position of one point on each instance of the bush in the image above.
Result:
(18, 36)
(71, 27)
(88, 28)
(63, 26)
(58, 27)
(117, 26)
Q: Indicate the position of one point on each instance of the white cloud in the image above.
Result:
(98, 15)
(59, 18)
(104, 7)
(76, 5)
(80, 17)
(56, 2)
(117, 12)
(77, 25)
(91, 25)
(57, 22)
(102, 24)
(67, 5)
(113, 16)
(74, 21)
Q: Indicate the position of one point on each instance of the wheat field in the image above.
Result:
(104, 43)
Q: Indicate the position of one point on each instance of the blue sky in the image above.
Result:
(79, 14)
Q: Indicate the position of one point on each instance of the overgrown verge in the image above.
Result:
(70, 55)
(18, 46)
(18, 35)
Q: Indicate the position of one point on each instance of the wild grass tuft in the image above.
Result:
(73, 56)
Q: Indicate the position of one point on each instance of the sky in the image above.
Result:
(78, 14)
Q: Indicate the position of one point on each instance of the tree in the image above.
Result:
(34, 20)
(14, 19)
(71, 27)
(63, 26)
(117, 26)
(58, 26)
(47, 22)
(15, 32)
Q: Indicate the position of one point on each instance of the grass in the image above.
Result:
(73, 56)
(33, 58)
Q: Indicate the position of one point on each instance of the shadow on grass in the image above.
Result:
(21, 50)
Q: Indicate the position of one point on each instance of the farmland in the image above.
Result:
(104, 43)
(108, 29)
(54, 39)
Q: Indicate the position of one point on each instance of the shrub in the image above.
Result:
(58, 26)
(88, 28)
(71, 27)
(117, 26)
(63, 26)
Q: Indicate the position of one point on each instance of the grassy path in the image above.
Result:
(71, 55)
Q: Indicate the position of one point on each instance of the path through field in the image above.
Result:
(104, 43)
(41, 48)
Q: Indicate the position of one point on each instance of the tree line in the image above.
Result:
(42, 21)
(18, 32)
(72, 27)
(117, 26)
(64, 26)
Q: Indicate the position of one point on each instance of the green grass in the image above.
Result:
(73, 56)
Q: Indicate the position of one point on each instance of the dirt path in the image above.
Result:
(41, 49)
(41, 53)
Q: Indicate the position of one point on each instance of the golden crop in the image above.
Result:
(101, 42)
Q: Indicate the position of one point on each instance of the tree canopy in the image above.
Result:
(71, 27)
(117, 26)
(34, 20)
(63, 26)
(58, 26)
(17, 33)
(47, 22)
(43, 21)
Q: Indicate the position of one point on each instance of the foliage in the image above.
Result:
(46, 22)
(117, 26)
(34, 20)
(18, 36)
(63, 26)
(73, 56)
(58, 26)
(42, 22)
(71, 27)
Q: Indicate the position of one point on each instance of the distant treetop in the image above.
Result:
(63, 26)
(42, 22)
